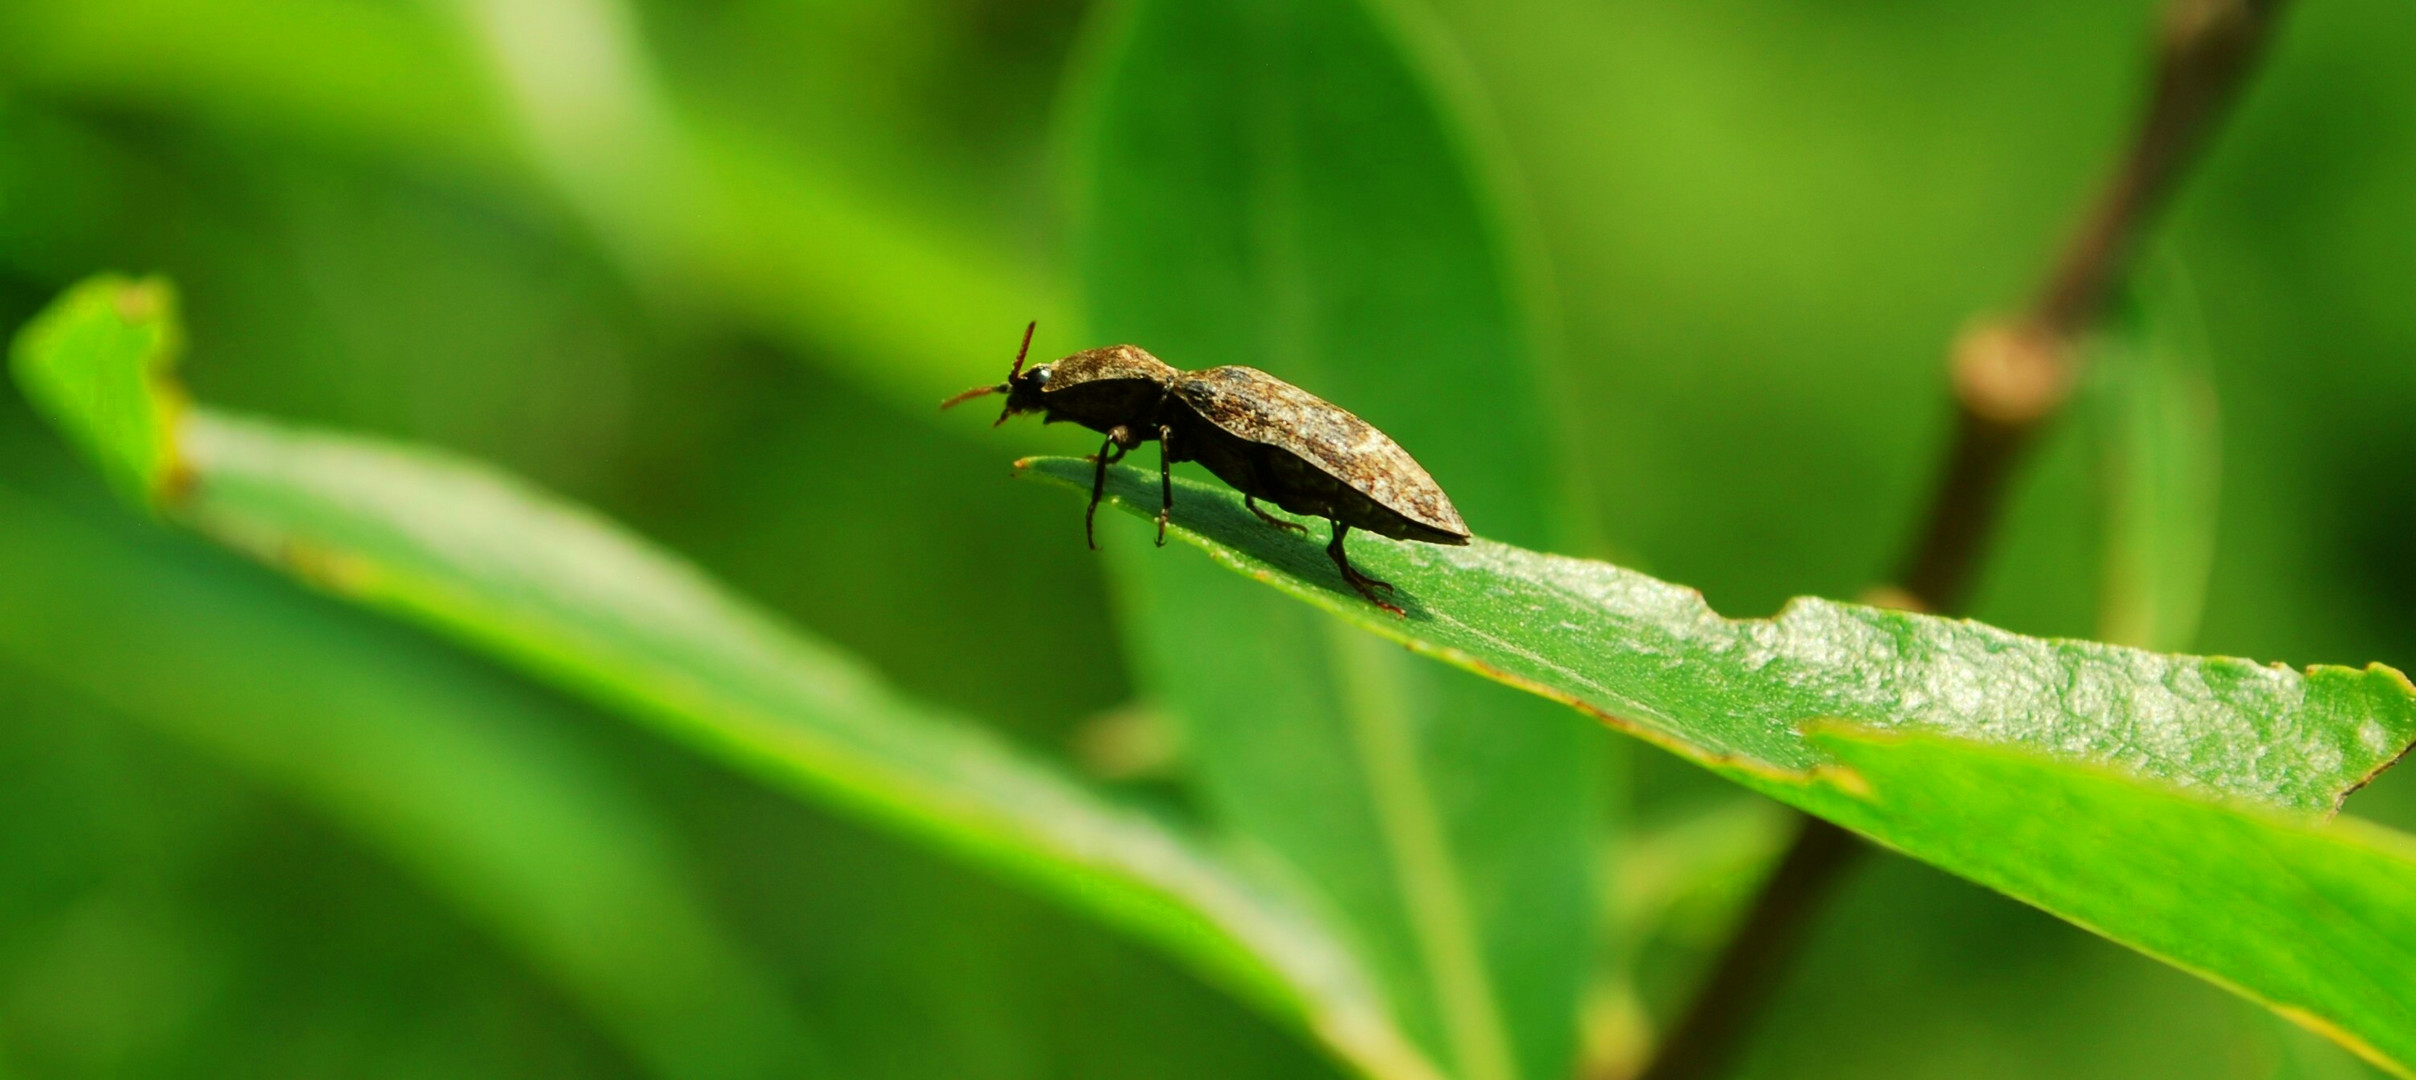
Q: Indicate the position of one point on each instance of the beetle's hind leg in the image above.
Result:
(1251, 501)
(1366, 585)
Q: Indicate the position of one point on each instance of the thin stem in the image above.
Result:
(2010, 378)
(2207, 49)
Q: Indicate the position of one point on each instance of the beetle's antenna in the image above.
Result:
(971, 394)
(1026, 347)
(1004, 387)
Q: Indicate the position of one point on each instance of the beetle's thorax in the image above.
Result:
(1112, 362)
(1101, 389)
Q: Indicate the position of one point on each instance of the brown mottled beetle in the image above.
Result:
(1268, 438)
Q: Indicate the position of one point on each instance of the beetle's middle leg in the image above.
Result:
(1099, 463)
(1119, 441)
(1165, 479)
(1366, 585)
(1251, 501)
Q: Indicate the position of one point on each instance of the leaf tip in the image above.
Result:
(97, 363)
(2393, 674)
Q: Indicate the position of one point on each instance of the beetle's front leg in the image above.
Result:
(1165, 479)
(1119, 440)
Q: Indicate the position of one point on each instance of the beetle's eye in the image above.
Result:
(1040, 375)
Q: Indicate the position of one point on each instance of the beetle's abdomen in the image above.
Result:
(1313, 457)
(1283, 478)
(1303, 488)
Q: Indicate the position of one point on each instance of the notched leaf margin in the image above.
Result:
(1338, 600)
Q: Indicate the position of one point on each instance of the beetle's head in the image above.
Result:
(1022, 387)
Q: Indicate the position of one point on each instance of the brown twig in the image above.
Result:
(2009, 377)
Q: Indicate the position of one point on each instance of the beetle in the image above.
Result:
(1266, 437)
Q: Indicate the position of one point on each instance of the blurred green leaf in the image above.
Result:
(96, 364)
(366, 76)
(2160, 470)
(1278, 184)
(557, 590)
(444, 775)
(714, 216)
(1689, 879)
(709, 215)
(1652, 659)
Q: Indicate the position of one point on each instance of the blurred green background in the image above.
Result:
(477, 224)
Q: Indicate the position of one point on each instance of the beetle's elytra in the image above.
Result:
(1268, 438)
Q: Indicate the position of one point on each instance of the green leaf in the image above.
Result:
(776, 241)
(1736, 695)
(2314, 919)
(446, 774)
(1653, 659)
(2152, 405)
(707, 213)
(97, 364)
(1275, 184)
(558, 591)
